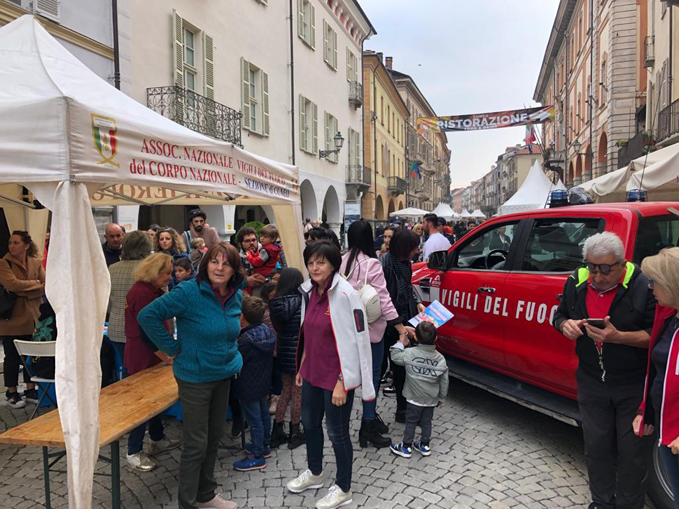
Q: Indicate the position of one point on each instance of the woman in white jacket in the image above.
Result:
(361, 267)
(333, 359)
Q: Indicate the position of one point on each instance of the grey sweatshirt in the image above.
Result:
(426, 373)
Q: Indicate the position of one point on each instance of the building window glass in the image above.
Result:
(189, 48)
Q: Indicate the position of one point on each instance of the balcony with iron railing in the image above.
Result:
(668, 121)
(396, 185)
(358, 175)
(355, 94)
(196, 112)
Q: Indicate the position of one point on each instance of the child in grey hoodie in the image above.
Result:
(426, 387)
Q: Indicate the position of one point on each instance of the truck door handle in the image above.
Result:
(485, 289)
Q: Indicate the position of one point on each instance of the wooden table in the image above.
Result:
(122, 407)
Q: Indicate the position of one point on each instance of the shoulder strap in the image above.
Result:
(365, 280)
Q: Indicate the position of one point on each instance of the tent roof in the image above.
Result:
(478, 214)
(533, 193)
(409, 212)
(444, 210)
(63, 122)
(658, 171)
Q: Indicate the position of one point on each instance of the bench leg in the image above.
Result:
(115, 474)
(46, 473)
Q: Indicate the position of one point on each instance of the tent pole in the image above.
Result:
(16, 202)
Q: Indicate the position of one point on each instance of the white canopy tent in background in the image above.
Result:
(658, 174)
(477, 214)
(66, 134)
(409, 212)
(533, 193)
(609, 187)
(465, 213)
(445, 211)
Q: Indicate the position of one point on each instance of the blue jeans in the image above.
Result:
(257, 414)
(671, 463)
(136, 441)
(317, 402)
(370, 407)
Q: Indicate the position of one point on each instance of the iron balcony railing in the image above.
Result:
(633, 149)
(355, 94)
(668, 121)
(196, 112)
(396, 185)
(359, 175)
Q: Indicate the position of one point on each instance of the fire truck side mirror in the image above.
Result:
(438, 260)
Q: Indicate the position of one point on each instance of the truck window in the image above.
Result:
(654, 234)
(555, 245)
(495, 241)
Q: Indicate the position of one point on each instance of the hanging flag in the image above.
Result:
(529, 138)
(415, 170)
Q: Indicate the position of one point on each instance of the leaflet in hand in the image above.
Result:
(435, 313)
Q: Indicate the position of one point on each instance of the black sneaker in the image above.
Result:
(14, 400)
(388, 391)
(31, 396)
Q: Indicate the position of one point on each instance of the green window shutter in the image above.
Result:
(245, 65)
(178, 55)
(334, 50)
(300, 18)
(209, 67)
(314, 128)
(312, 32)
(302, 124)
(326, 122)
(265, 100)
(349, 70)
(335, 128)
(326, 54)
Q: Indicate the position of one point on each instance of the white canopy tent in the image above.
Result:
(66, 134)
(658, 174)
(533, 193)
(477, 214)
(609, 187)
(465, 213)
(445, 211)
(409, 212)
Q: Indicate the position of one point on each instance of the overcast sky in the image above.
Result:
(467, 57)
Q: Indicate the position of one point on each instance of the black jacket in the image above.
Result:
(633, 309)
(256, 345)
(286, 314)
(112, 255)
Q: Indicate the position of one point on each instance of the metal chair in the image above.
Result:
(28, 349)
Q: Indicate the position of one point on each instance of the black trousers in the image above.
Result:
(616, 458)
(13, 361)
(399, 372)
(204, 407)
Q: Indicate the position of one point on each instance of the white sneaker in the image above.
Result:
(335, 498)
(141, 462)
(166, 444)
(306, 481)
(218, 503)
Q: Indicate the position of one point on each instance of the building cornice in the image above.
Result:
(561, 23)
(350, 16)
(10, 12)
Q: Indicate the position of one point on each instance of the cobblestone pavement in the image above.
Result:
(487, 453)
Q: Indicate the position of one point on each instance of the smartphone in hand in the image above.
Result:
(597, 322)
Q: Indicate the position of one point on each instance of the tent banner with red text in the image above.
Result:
(485, 121)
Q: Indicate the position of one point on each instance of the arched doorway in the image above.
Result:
(602, 154)
(248, 215)
(308, 197)
(331, 208)
(379, 209)
(570, 173)
(578, 170)
(400, 205)
(588, 163)
(392, 208)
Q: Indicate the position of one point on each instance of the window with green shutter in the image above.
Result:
(329, 45)
(308, 125)
(255, 95)
(331, 128)
(306, 22)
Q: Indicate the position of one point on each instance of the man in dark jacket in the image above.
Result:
(256, 345)
(113, 247)
(612, 364)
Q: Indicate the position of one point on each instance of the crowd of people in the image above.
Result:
(244, 331)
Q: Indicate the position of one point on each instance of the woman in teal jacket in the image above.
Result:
(206, 356)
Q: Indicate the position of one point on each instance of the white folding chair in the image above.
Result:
(37, 349)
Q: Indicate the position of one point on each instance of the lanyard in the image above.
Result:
(600, 354)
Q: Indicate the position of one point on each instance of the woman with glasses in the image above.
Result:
(607, 309)
(661, 398)
(206, 356)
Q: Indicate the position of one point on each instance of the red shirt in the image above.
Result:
(598, 302)
(321, 365)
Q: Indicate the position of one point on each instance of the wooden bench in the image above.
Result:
(122, 407)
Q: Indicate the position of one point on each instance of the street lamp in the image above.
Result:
(576, 146)
(339, 141)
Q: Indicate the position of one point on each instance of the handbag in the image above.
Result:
(7, 301)
(369, 298)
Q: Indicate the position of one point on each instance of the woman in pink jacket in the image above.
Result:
(360, 266)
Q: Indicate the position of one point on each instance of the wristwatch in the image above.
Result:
(340, 378)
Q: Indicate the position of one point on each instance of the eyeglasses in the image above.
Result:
(604, 268)
(650, 284)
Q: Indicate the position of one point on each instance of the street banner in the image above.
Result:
(485, 121)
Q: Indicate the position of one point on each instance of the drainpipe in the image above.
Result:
(567, 116)
(116, 49)
(590, 155)
(373, 116)
(669, 79)
(292, 86)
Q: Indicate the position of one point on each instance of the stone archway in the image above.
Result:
(379, 209)
(570, 173)
(588, 164)
(578, 170)
(400, 205)
(602, 154)
(392, 208)
(331, 208)
(308, 197)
